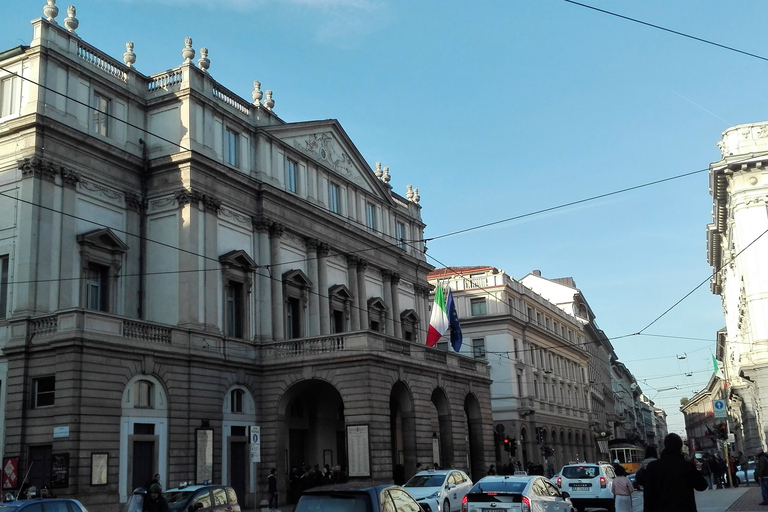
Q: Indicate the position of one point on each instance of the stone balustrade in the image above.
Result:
(102, 61)
(165, 81)
(232, 100)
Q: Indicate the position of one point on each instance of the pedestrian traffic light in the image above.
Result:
(506, 443)
(721, 429)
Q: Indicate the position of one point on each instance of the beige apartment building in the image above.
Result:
(191, 286)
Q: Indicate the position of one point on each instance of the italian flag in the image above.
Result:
(438, 321)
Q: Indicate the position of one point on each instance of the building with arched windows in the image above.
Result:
(192, 286)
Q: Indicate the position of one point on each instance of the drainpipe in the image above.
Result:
(143, 227)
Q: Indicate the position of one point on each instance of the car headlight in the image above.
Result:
(434, 495)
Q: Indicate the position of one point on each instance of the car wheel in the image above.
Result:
(611, 507)
(446, 506)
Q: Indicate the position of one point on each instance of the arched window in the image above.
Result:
(236, 401)
(143, 395)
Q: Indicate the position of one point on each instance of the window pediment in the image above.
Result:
(103, 239)
(409, 315)
(297, 277)
(341, 292)
(377, 303)
(238, 259)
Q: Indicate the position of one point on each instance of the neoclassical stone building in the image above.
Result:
(178, 266)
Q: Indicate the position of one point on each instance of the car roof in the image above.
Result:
(21, 503)
(350, 486)
(510, 478)
(437, 472)
(195, 487)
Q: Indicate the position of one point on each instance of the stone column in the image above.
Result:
(70, 273)
(353, 288)
(362, 294)
(398, 326)
(276, 273)
(422, 308)
(263, 282)
(314, 291)
(189, 262)
(322, 285)
(212, 277)
(386, 277)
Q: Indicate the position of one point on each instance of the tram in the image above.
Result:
(629, 456)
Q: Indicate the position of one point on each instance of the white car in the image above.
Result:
(444, 487)
(588, 484)
(524, 493)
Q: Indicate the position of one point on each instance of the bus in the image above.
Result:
(628, 455)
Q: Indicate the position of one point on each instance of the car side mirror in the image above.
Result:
(565, 494)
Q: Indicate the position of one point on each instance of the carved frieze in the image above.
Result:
(322, 148)
(101, 190)
(162, 202)
(134, 201)
(238, 217)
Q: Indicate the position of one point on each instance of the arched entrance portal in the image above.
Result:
(312, 430)
(475, 433)
(445, 430)
(402, 423)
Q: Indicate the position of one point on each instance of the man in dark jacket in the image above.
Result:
(154, 501)
(669, 482)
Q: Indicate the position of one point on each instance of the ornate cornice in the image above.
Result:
(38, 168)
(185, 197)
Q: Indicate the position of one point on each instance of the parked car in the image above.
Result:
(750, 474)
(42, 505)
(201, 498)
(446, 487)
(358, 497)
(525, 493)
(588, 484)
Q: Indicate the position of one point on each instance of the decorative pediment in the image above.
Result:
(340, 292)
(377, 303)
(409, 315)
(103, 239)
(327, 144)
(238, 259)
(297, 277)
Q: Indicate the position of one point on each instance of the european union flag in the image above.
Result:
(453, 322)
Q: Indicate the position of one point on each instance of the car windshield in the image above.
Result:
(334, 502)
(502, 486)
(580, 471)
(425, 481)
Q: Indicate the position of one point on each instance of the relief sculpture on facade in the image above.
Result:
(322, 148)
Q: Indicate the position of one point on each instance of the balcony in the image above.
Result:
(103, 329)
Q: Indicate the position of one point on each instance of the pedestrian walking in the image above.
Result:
(155, 502)
(761, 473)
(622, 490)
(744, 466)
(272, 488)
(492, 470)
(732, 470)
(706, 471)
(670, 481)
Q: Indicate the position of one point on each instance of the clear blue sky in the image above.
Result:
(495, 109)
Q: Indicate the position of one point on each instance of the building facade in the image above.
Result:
(737, 249)
(540, 392)
(179, 265)
(564, 294)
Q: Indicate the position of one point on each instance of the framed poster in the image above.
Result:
(358, 450)
(99, 463)
(10, 472)
(60, 470)
(204, 456)
(328, 457)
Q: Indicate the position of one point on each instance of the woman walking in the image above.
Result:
(622, 490)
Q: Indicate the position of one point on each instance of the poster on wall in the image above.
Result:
(358, 450)
(60, 470)
(10, 472)
(204, 457)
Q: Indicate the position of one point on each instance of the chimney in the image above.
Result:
(537, 273)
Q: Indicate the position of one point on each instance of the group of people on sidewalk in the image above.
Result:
(715, 470)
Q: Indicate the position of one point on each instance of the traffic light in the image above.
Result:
(513, 447)
(721, 429)
(539, 435)
(506, 443)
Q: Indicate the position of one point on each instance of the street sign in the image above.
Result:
(499, 428)
(721, 411)
(255, 435)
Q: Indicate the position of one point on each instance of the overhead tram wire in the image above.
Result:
(682, 34)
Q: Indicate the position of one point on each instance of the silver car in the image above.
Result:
(445, 487)
(523, 493)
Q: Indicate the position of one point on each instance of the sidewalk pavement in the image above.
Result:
(741, 499)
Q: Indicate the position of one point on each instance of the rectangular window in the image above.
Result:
(334, 198)
(370, 217)
(233, 147)
(442, 345)
(44, 390)
(291, 177)
(97, 287)
(142, 390)
(101, 105)
(400, 234)
(479, 307)
(236, 401)
(9, 91)
(478, 348)
(235, 309)
(4, 261)
(293, 318)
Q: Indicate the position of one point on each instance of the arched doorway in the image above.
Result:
(402, 426)
(311, 431)
(238, 414)
(143, 434)
(476, 456)
(444, 428)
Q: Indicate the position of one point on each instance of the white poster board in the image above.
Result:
(358, 450)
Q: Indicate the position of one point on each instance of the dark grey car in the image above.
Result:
(357, 497)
